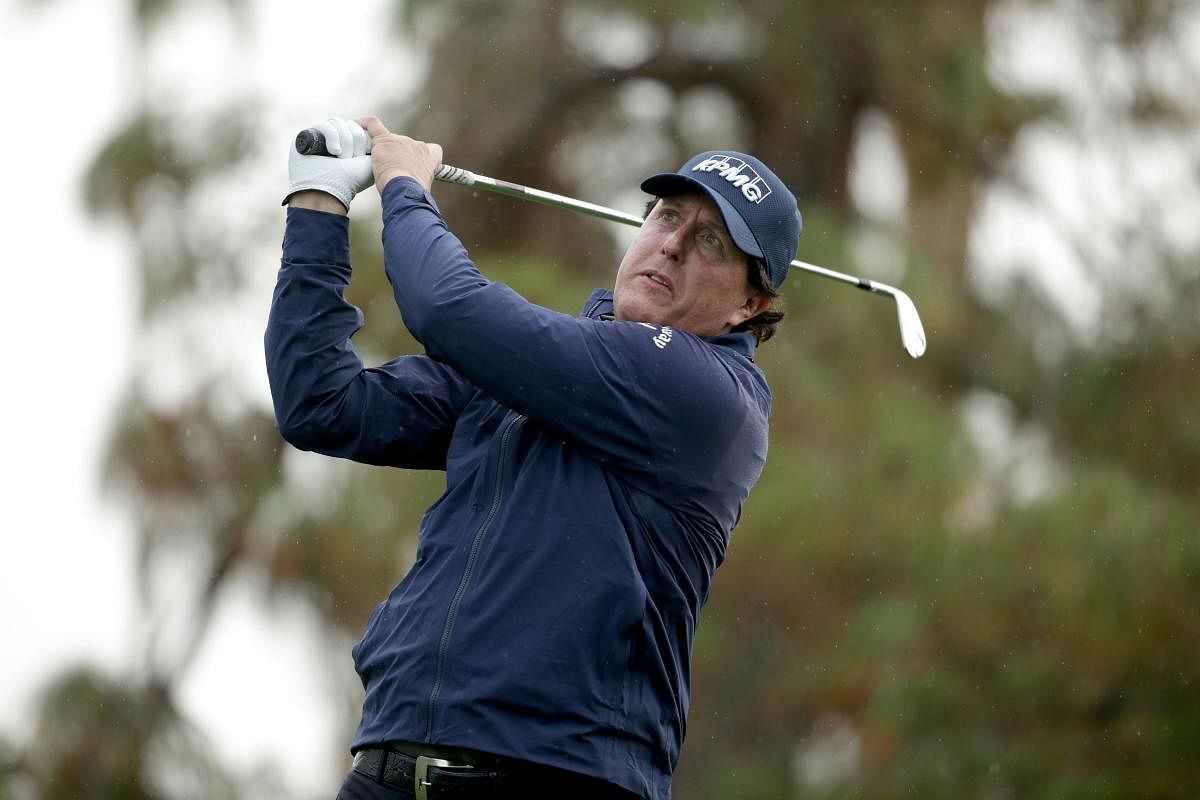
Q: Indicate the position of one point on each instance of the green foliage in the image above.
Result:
(1044, 659)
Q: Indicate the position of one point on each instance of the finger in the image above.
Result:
(345, 136)
(373, 126)
(362, 141)
(329, 130)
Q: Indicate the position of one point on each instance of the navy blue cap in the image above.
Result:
(759, 211)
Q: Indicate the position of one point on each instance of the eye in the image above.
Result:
(711, 241)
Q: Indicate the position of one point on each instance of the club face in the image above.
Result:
(912, 332)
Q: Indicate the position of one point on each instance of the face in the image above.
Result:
(684, 270)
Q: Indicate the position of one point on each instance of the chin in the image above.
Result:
(639, 312)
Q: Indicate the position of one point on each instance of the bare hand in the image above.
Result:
(394, 155)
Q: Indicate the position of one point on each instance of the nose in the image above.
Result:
(673, 242)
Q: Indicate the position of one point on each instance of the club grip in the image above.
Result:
(311, 142)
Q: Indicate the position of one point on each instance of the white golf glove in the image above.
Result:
(344, 172)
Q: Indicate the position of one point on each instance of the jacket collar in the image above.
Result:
(600, 306)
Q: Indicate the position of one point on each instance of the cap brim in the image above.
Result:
(666, 184)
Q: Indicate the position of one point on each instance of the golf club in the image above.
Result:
(912, 333)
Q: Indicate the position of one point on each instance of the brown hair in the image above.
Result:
(763, 324)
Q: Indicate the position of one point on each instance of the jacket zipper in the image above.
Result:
(464, 582)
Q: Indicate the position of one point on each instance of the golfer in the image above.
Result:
(540, 646)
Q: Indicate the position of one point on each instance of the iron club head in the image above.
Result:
(912, 332)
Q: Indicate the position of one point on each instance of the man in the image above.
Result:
(540, 646)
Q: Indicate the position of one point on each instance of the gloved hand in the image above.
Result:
(342, 176)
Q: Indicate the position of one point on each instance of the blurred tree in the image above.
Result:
(104, 739)
(910, 607)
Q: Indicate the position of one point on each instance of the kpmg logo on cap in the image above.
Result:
(739, 173)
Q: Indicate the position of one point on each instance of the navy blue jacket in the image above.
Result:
(594, 471)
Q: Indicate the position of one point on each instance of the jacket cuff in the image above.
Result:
(316, 237)
(403, 191)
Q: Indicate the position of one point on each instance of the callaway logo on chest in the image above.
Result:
(739, 173)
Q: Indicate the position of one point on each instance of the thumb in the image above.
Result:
(373, 126)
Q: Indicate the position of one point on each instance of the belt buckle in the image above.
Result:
(421, 781)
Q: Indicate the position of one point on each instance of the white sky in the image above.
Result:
(70, 326)
(67, 562)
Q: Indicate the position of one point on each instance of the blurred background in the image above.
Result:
(973, 575)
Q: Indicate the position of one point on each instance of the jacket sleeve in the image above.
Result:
(658, 403)
(399, 414)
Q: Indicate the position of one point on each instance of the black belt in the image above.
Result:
(427, 777)
(468, 776)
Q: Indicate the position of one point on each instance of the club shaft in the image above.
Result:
(449, 174)
(312, 142)
(912, 332)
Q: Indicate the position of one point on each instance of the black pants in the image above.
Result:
(360, 787)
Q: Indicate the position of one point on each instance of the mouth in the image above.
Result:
(659, 279)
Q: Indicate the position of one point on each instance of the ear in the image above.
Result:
(755, 304)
